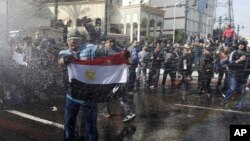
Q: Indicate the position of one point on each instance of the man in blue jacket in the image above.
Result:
(134, 62)
(72, 104)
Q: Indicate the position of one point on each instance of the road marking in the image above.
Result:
(44, 121)
(214, 109)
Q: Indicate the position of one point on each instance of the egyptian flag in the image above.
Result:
(96, 78)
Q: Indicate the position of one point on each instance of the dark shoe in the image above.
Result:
(81, 138)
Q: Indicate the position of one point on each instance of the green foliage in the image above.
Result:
(179, 35)
(150, 39)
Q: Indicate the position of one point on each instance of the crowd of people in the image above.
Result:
(38, 72)
(29, 70)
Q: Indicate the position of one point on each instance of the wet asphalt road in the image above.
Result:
(161, 116)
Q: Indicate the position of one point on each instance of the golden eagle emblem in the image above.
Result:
(90, 74)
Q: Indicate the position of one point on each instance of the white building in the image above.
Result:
(199, 19)
(197, 15)
(136, 18)
(133, 18)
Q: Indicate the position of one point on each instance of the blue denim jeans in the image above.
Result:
(89, 118)
(131, 77)
(228, 41)
(235, 85)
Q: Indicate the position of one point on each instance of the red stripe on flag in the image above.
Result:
(117, 59)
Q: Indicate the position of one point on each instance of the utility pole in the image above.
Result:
(229, 12)
(238, 30)
(220, 22)
(56, 10)
(106, 18)
(186, 17)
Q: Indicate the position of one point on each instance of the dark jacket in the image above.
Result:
(157, 60)
(205, 65)
(184, 59)
(236, 69)
(170, 60)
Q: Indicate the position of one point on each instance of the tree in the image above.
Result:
(74, 12)
(179, 35)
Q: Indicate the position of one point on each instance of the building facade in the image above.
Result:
(137, 19)
(192, 16)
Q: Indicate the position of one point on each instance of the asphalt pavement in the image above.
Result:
(162, 115)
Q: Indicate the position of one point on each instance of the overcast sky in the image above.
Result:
(242, 16)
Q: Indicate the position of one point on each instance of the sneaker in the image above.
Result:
(129, 117)
(131, 93)
(223, 95)
(152, 87)
(106, 115)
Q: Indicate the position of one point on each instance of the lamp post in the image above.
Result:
(207, 25)
(186, 16)
(56, 10)
(174, 24)
(238, 29)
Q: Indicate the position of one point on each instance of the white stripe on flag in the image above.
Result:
(94, 74)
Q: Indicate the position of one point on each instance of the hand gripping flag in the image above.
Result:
(96, 78)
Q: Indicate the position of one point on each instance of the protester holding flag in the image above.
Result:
(73, 105)
(90, 79)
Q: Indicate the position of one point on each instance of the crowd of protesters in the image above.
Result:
(205, 56)
(38, 71)
(229, 59)
(30, 71)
